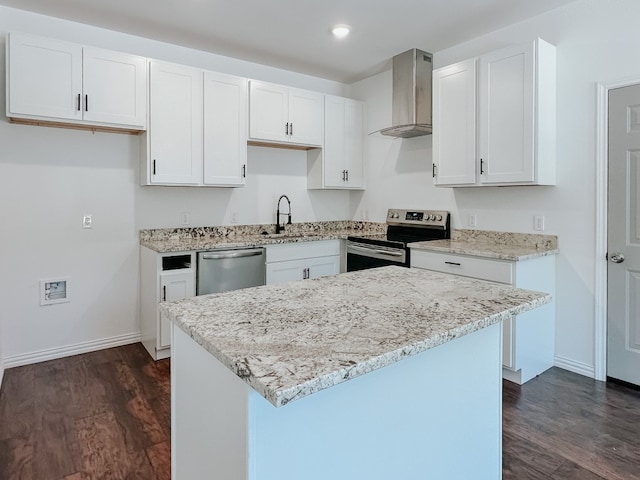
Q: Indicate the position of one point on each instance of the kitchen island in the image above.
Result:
(379, 374)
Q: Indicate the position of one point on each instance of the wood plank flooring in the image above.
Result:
(106, 415)
(102, 415)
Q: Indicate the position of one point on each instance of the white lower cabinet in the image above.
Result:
(529, 338)
(301, 261)
(163, 277)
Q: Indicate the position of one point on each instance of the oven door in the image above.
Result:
(361, 256)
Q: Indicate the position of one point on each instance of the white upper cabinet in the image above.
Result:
(514, 127)
(175, 125)
(454, 124)
(60, 82)
(283, 115)
(197, 128)
(115, 87)
(225, 129)
(340, 163)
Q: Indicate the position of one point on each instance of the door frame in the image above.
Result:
(602, 204)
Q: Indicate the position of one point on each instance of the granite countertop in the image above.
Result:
(498, 245)
(210, 238)
(291, 340)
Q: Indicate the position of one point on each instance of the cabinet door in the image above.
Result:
(454, 124)
(353, 142)
(323, 266)
(225, 129)
(334, 142)
(175, 124)
(114, 87)
(174, 286)
(305, 117)
(268, 112)
(506, 115)
(288, 271)
(44, 78)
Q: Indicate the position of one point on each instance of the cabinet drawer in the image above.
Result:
(294, 251)
(493, 270)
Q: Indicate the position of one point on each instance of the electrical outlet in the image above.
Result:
(184, 218)
(473, 220)
(234, 217)
(87, 221)
(538, 223)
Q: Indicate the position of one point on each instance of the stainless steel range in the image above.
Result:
(403, 227)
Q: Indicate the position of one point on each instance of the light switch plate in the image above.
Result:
(87, 221)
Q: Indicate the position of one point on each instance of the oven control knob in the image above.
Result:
(438, 217)
(395, 215)
(432, 217)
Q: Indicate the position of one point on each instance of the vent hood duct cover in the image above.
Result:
(411, 115)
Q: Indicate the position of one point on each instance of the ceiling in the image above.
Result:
(294, 34)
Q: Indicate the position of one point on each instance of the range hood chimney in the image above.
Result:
(411, 116)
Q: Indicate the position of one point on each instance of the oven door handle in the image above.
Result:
(380, 252)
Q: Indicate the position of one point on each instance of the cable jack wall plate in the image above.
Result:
(54, 290)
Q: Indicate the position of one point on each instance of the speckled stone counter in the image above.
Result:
(498, 245)
(209, 238)
(291, 340)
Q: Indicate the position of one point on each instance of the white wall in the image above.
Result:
(50, 177)
(596, 41)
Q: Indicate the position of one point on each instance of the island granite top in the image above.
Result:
(291, 340)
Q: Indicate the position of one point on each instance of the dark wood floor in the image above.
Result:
(102, 415)
(106, 415)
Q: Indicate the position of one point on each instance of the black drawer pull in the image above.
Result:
(453, 263)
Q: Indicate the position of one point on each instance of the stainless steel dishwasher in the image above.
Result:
(230, 269)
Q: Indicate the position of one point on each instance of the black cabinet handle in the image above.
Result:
(433, 170)
(78, 102)
(164, 293)
(244, 171)
(286, 129)
(154, 166)
(86, 103)
(291, 129)
(453, 263)
(347, 175)
(481, 166)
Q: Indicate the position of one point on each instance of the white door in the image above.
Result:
(305, 117)
(323, 266)
(114, 87)
(225, 129)
(623, 328)
(334, 138)
(175, 124)
(353, 142)
(268, 112)
(506, 114)
(454, 124)
(45, 77)
(174, 286)
(288, 271)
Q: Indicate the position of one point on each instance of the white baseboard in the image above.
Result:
(574, 366)
(68, 350)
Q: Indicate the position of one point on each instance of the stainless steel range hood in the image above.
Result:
(411, 115)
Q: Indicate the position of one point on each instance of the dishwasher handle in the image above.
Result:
(232, 254)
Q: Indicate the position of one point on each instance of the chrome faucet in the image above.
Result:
(280, 228)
